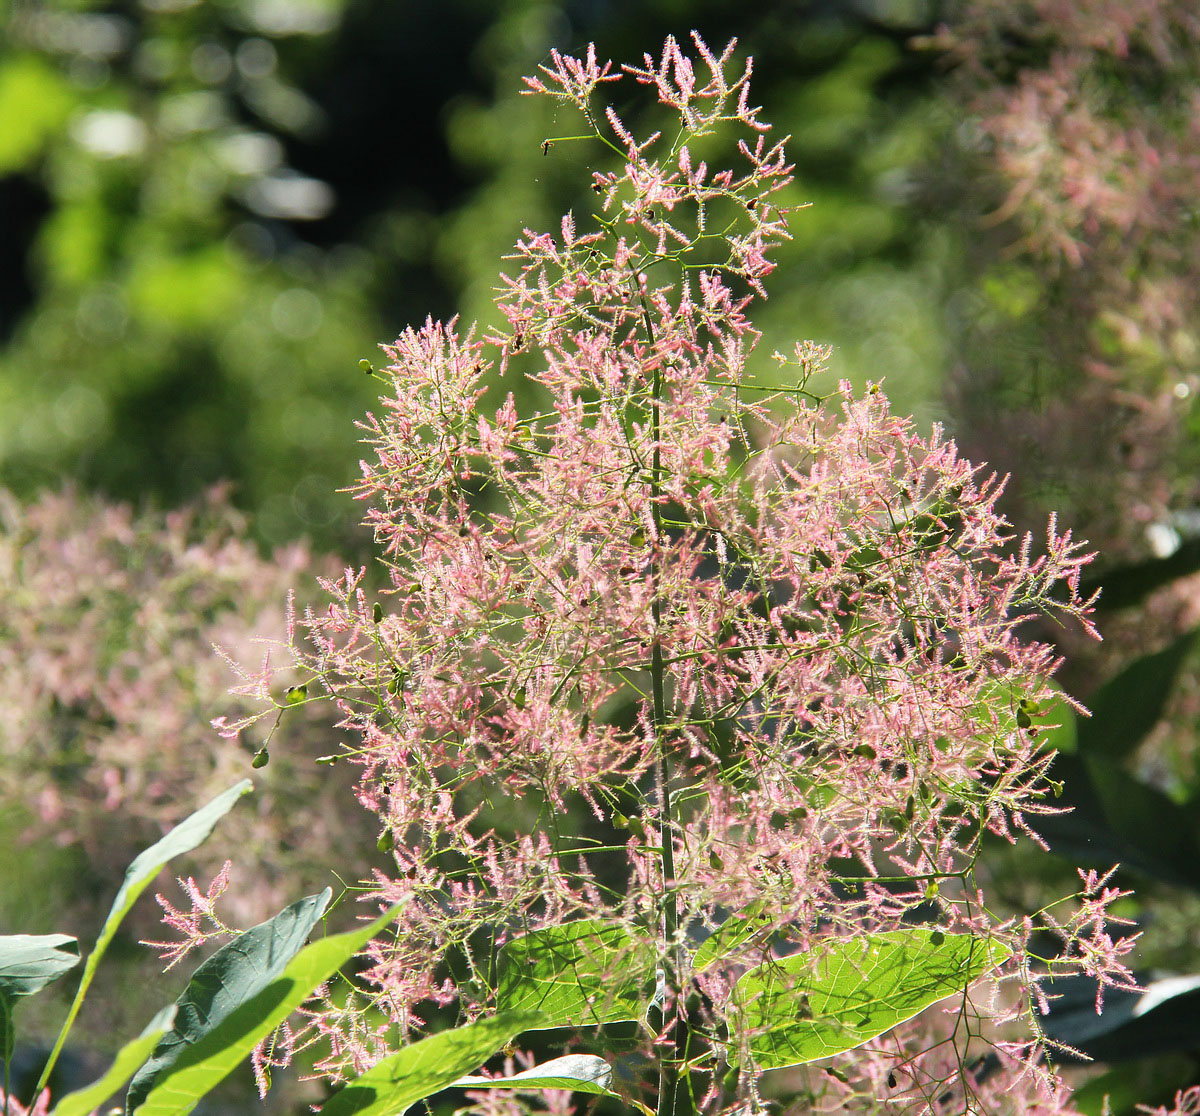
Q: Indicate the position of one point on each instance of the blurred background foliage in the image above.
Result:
(212, 209)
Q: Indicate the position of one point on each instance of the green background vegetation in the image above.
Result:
(215, 209)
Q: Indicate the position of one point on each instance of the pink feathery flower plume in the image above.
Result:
(676, 643)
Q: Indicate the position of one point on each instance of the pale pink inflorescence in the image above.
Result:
(1090, 145)
(832, 597)
(110, 617)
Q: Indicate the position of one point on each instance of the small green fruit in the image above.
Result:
(261, 758)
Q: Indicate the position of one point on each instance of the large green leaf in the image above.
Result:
(728, 937)
(231, 977)
(581, 1073)
(577, 975)
(187, 835)
(848, 991)
(129, 1057)
(206, 1063)
(28, 962)
(424, 1067)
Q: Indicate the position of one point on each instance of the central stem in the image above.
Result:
(674, 1097)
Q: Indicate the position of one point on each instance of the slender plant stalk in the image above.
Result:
(673, 1094)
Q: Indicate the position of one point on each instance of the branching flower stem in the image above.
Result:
(674, 1098)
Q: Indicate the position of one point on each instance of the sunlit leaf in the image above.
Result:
(848, 991)
(187, 835)
(424, 1067)
(576, 975)
(129, 1057)
(581, 1073)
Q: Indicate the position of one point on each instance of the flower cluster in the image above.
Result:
(666, 639)
(1086, 137)
(109, 620)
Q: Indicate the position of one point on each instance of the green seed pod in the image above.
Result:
(326, 761)
(261, 758)
(377, 612)
(1023, 720)
(386, 842)
(296, 694)
(635, 825)
(365, 365)
(931, 890)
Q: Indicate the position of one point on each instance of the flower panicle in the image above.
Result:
(662, 640)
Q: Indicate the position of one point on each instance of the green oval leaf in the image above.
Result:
(231, 977)
(577, 975)
(28, 962)
(848, 991)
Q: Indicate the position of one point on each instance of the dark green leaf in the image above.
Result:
(1115, 817)
(1128, 706)
(231, 977)
(206, 1063)
(1129, 585)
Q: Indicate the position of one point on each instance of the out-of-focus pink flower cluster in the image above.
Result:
(786, 612)
(39, 1107)
(1087, 136)
(1187, 1103)
(110, 681)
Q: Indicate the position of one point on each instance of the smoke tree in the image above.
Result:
(693, 689)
